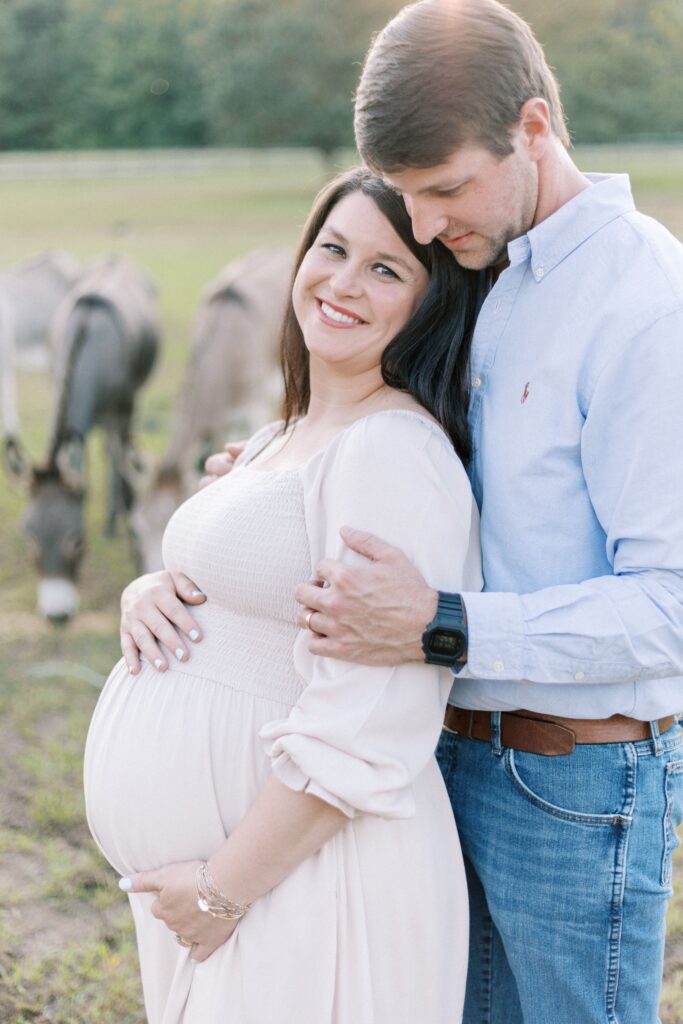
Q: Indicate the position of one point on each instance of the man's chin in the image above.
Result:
(472, 260)
(479, 258)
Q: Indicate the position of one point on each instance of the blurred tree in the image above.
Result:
(133, 81)
(89, 73)
(620, 64)
(32, 76)
(284, 74)
(99, 73)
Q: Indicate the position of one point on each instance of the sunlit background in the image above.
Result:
(181, 136)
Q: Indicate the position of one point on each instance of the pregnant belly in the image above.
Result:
(172, 763)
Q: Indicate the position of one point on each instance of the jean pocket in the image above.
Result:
(570, 788)
(447, 754)
(673, 816)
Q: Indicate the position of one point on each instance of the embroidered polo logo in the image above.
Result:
(525, 393)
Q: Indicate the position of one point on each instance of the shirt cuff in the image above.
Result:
(495, 628)
(290, 775)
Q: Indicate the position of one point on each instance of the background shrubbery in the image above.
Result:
(77, 74)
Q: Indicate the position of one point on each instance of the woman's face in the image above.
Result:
(357, 286)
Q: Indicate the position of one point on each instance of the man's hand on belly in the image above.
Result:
(374, 614)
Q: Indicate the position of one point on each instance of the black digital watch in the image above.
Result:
(444, 641)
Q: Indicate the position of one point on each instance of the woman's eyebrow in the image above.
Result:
(333, 231)
(384, 256)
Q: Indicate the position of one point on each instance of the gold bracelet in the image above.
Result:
(211, 900)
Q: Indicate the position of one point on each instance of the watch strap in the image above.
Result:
(450, 618)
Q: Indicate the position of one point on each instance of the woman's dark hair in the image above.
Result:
(429, 357)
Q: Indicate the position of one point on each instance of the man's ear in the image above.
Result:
(535, 126)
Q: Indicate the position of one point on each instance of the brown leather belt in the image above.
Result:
(535, 733)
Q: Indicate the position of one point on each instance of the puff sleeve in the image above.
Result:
(359, 735)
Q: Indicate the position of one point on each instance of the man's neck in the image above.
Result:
(559, 180)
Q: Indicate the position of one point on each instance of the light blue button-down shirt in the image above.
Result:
(577, 422)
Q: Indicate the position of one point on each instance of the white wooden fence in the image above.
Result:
(124, 163)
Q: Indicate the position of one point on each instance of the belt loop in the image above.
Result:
(495, 733)
(657, 743)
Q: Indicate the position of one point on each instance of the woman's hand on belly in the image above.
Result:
(176, 906)
(153, 609)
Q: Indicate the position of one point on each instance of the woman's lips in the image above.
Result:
(338, 316)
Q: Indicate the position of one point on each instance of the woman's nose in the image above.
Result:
(347, 280)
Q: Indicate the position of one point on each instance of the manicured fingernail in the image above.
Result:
(158, 663)
(194, 634)
(193, 961)
(198, 593)
(179, 653)
(125, 884)
(131, 669)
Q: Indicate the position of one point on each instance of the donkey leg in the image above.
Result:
(120, 493)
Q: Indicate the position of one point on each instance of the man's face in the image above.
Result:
(474, 203)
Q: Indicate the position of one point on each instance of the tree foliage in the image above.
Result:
(97, 73)
(619, 62)
(284, 74)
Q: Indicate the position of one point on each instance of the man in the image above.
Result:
(560, 751)
(566, 809)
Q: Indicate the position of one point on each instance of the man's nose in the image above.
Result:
(427, 223)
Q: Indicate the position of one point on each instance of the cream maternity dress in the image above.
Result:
(373, 928)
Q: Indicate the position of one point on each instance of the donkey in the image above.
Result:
(232, 383)
(34, 290)
(106, 339)
(8, 386)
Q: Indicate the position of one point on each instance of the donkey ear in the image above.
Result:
(17, 466)
(70, 462)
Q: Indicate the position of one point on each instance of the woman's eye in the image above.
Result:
(336, 250)
(384, 271)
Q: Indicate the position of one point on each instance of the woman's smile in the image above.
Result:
(337, 316)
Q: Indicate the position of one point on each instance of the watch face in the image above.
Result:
(450, 642)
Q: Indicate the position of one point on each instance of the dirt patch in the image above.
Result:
(18, 625)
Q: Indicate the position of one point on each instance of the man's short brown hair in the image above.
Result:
(446, 73)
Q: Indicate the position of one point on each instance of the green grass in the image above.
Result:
(66, 942)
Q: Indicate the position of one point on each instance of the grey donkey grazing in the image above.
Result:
(31, 293)
(106, 338)
(232, 385)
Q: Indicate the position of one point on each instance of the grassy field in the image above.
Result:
(66, 945)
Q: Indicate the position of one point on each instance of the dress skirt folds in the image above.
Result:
(373, 928)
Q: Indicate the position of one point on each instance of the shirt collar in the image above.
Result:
(557, 236)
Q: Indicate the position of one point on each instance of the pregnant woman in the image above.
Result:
(284, 830)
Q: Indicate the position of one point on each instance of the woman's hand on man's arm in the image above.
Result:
(152, 611)
(220, 463)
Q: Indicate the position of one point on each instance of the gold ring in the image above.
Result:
(183, 942)
(309, 616)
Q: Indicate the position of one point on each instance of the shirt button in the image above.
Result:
(476, 382)
(540, 271)
(498, 665)
(579, 676)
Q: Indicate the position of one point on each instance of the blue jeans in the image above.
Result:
(569, 870)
